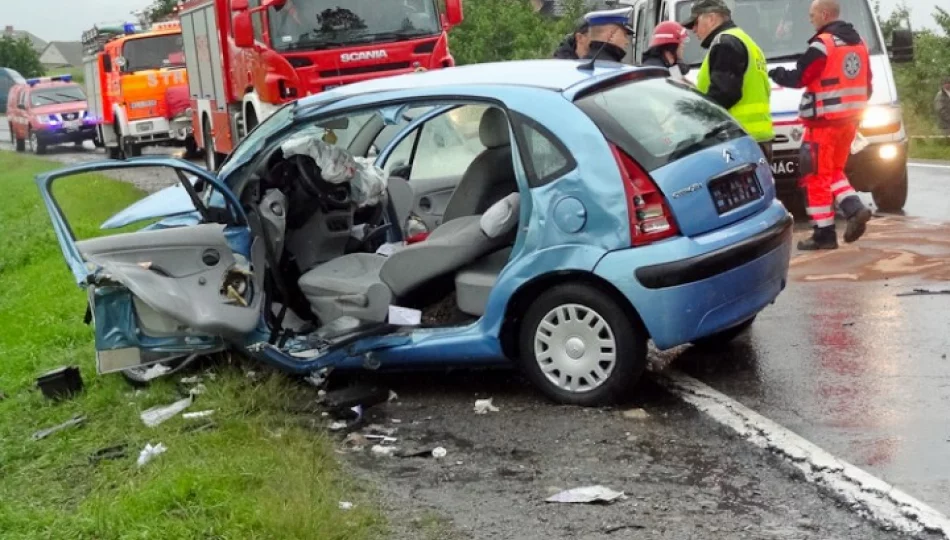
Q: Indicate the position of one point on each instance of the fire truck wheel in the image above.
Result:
(114, 152)
(36, 146)
(211, 157)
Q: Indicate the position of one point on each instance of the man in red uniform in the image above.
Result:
(836, 74)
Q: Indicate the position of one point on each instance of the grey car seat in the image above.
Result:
(363, 285)
(491, 174)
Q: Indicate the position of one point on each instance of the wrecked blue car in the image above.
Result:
(547, 215)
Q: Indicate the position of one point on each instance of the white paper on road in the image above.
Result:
(587, 495)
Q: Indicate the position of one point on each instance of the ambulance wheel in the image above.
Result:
(36, 145)
(891, 196)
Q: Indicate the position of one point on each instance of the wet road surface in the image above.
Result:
(844, 361)
(840, 359)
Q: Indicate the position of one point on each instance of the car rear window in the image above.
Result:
(658, 120)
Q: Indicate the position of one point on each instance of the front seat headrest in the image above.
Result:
(493, 129)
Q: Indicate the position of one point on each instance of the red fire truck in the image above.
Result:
(245, 58)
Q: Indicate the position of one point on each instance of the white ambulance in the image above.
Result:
(782, 29)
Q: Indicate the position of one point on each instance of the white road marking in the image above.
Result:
(870, 496)
(928, 165)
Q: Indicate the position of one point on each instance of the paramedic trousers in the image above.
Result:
(824, 154)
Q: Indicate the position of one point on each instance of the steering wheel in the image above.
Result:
(313, 183)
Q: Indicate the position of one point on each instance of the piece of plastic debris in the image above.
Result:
(382, 438)
(43, 433)
(587, 495)
(484, 406)
(197, 414)
(338, 425)
(396, 421)
(376, 429)
(197, 389)
(380, 450)
(155, 371)
(354, 442)
(160, 413)
(191, 380)
(636, 414)
(346, 505)
(439, 452)
(251, 375)
(419, 451)
(196, 428)
(403, 316)
(112, 452)
(149, 452)
(60, 383)
(393, 396)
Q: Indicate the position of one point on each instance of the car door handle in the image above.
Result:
(425, 204)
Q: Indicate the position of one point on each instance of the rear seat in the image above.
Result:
(474, 283)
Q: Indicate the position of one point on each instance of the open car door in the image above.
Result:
(191, 284)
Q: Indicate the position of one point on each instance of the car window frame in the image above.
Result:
(522, 121)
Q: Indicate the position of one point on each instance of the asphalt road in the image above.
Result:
(840, 359)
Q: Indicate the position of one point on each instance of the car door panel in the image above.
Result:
(431, 196)
(166, 292)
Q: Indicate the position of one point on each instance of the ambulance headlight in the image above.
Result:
(881, 119)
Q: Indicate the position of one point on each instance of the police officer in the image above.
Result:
(610, 34)
(734, 73)
(836, 74)
(576, 44)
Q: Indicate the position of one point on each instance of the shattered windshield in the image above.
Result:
(322, 24)
(54, 96)
(154, 52)
(781, 27)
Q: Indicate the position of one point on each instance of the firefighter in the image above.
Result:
(666, 49)
(836, 74)
(734, 73)
(576, 44)
(610, 34)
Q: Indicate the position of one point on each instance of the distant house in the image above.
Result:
(38, 44)
(62, 54)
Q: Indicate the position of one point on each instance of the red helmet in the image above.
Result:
(668, 33)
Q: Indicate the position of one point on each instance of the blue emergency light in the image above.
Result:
(32, 82)
(129, 28)
(60, 78)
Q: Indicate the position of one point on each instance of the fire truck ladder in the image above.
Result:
(94, 40)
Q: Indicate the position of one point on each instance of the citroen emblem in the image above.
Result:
(727, 156)
(797, 134)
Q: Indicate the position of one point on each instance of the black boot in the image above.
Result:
(823, 238)
(858, 216)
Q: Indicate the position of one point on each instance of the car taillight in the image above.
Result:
(650, 216)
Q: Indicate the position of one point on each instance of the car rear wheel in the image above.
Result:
(579, 347)
(36, 145)
(891, 196)
(722, 340)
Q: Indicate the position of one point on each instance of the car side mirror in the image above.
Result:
(243, 30)
(902, 46)
(453, 12)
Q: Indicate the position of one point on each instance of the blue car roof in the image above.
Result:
(553, 75)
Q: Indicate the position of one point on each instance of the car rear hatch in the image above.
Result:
(710, 172)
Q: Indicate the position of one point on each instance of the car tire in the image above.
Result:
(722, 340)
(589, 328)
(36, 146)
(891, 196)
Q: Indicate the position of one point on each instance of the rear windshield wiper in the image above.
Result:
(719, 131)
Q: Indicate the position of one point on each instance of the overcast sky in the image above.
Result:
(65, 20)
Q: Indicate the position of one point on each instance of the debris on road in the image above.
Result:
(197, 414)
(587, 495)
(338, 425)
(191, 380)
(160, 413)
(346, 505)
(636, 414)
(484, 406)
(150, 452)
(381, 450)
(155, 371)
(112, 452)
(439, 452)
(43, 433)
(60, 383)
(924, 292)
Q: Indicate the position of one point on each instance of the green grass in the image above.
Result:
(918, 125)
(259, 474)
